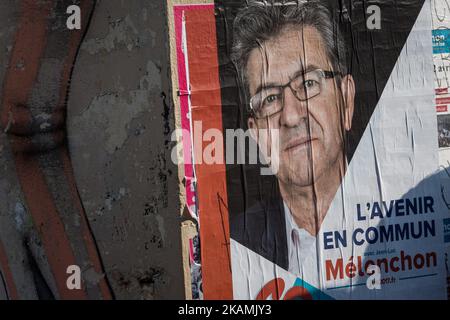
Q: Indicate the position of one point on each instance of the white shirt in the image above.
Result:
(302, 249)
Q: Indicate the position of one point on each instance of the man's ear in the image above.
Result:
(348, 93)
(253, 128)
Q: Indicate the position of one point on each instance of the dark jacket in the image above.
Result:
(262, 229)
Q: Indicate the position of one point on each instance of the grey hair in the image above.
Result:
(263, 20)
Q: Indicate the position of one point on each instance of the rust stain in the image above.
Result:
(10, 285)
(29, 46)
(86, 10)
(87, 234)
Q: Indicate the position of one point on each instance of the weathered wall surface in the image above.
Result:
(119, 121)
(119, 126)
(13, 218)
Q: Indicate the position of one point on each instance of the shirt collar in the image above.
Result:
(291, 228)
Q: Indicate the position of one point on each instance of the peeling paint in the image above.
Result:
(116, 112)
(19, 215)
(161, 228)
(121, 32)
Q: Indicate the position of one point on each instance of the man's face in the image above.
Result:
(311, 133)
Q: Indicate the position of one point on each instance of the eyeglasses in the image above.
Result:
(305, 86)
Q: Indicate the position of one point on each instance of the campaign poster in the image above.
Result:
(441, 67)
(311, 129)
(440, 11)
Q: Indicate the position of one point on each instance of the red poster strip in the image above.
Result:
(206, 104)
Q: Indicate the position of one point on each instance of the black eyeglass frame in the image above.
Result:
(327, 74)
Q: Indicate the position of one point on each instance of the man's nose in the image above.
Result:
(294, 110)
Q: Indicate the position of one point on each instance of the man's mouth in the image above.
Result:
(299, 143)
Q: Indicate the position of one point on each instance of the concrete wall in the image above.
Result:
(119, 123)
